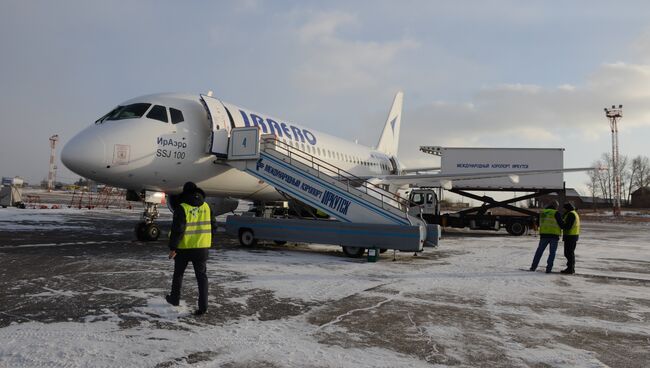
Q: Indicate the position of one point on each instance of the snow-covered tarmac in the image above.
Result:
(76, 291)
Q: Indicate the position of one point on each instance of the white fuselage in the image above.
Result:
(145, 153)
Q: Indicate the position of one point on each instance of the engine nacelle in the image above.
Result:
(219, 205)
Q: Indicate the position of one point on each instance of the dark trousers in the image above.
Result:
(570, 253)
(543, 242)
(199, 258)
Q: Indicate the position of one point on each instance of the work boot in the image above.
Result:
(171, 301)
(548, 271)
(531, 269)
(199, 312)
(568, 272)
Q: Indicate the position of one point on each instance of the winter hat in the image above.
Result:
(569, 207)
(552, 205)
(189, 187)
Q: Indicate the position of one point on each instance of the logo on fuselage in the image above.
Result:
(281, 130)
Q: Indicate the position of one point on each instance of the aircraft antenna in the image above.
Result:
(614, 115)
(52, 174)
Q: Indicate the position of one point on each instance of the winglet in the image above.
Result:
(389, 139)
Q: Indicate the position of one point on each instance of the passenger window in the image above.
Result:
(177, 115)
(133, 111)
(158, 113)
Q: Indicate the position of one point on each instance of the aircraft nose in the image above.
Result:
(84, 154)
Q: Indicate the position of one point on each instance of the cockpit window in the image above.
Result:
(132, 111)
(177, 115)
(100, 120)
(159, 113)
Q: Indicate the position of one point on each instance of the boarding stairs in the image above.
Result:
(315, 182)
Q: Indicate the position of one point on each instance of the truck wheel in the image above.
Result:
(516, 228)
(247, 238)
(353, 252)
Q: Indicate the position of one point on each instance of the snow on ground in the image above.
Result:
(16, 219)
(467, 303)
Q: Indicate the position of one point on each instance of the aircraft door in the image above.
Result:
(220, 121)
(395, 169)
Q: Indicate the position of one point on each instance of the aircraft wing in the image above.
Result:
(420, 169)
(446, 180)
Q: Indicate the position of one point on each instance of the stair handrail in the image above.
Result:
(317, 164)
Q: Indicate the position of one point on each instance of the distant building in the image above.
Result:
(641, 198)
(575, 198)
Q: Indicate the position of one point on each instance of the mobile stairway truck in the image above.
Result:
(362, 216)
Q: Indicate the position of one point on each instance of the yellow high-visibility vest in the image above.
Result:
(548, 224)
(575, 229)
(198, 231)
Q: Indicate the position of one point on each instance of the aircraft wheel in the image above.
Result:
(247, 238)
(353, 252)
(280, 242)
(516, 228)
(139, 231)
(151, 232)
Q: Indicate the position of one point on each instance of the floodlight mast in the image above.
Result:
(52, 173)
(614, 115)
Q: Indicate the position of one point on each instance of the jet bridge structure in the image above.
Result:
(362, 215)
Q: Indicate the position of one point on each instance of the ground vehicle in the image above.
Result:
(476, 218)
(463, 160)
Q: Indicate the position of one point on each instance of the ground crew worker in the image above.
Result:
(571, 229)
(191, 236)
(550, 229)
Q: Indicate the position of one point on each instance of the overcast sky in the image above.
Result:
(474, 73)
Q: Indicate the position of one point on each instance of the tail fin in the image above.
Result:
(389, 140)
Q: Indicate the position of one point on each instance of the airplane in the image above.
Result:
(151, 145)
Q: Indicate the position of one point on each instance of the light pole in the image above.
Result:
(614, 115)
(52, 173)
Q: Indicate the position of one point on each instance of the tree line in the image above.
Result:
(635, 174)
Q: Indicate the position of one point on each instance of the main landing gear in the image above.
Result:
(147, 230)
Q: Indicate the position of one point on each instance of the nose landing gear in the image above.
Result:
(147, 230)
